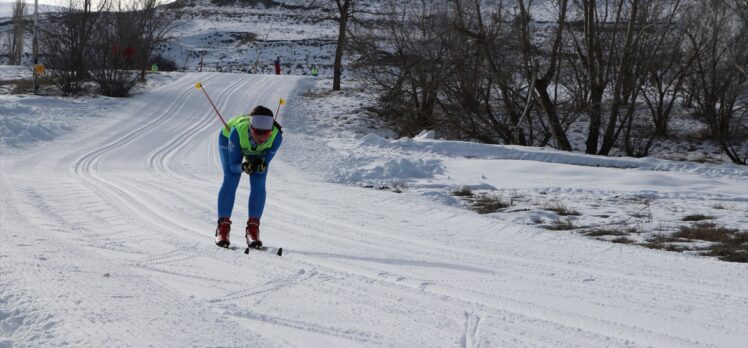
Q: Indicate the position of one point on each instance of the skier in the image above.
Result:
(129, 54)
(277, 64)
(255, 138)
(315, 71)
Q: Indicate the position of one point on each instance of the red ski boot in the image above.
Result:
(253, 233)
(222, 232)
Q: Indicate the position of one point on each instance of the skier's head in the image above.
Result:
(261, 123)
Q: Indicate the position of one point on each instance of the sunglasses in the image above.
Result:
(260, 131)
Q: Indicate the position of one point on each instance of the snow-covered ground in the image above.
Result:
(107, 229)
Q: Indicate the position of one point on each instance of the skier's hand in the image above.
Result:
(259, 165)
(247, 167)
(256, 165)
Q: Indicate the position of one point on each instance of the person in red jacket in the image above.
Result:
(128, 54)
(277, 64)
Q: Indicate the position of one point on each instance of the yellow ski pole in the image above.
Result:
(200, 87)
(280, 102)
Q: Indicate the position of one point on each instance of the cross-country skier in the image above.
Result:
(248, 147)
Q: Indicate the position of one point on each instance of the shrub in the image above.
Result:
(163, 63)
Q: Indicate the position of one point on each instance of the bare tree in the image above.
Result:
(611, 50)
(345, 8)
(65, 44)
(152, 27)
(654, 68)
(542, 79)
(482, 86)
(111, 65)
(17, 33)
(718, 41)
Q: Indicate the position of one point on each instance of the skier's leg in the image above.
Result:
(227, 193)
(256, 206)
(257, 194)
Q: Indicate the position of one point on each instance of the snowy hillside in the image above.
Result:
(6, 7)
(107, 235)
(249, 38)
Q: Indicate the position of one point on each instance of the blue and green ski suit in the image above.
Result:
(233, 146)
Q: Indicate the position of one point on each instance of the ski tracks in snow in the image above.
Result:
(470, 336)
(364, 268)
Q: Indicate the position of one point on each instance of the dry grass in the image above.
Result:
(657, 241)
(697, 217)
(622, 240)
(489, 204)
(706, 231)
(24, 86)
(462, 192)
(733, 249)
(560, 225)
(600, 231)
(728, 244)
(561, 209)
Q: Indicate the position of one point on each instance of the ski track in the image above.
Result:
(346, 267)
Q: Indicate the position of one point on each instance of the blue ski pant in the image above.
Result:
(227, 194)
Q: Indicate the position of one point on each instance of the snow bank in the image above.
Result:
(28, 119)
(423, 143)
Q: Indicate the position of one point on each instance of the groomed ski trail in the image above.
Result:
(107, 241)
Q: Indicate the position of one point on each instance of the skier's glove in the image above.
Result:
(259, 165)
(247, 167)
(251, 166)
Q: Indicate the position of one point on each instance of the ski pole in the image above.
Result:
(200, 87)
(280, 102)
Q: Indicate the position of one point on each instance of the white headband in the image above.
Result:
(261, 122)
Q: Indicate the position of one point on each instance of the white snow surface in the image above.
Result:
(107, 224)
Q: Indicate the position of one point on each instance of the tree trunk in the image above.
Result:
(557, 131)
(595, 114)
(17, 33)
(625, 81)
(343, 8)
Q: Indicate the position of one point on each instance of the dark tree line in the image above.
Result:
(110, 44)
(624, 68)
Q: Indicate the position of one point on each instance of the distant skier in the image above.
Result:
(255, 138)
(277, 64)
(315, 71)
(128, 54)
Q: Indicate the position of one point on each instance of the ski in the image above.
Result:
(272, 250)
